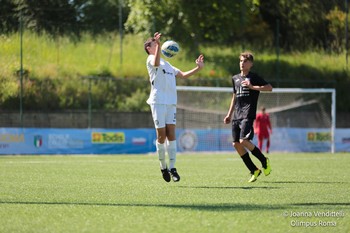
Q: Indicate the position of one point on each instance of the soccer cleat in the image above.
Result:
(175, 175)
(166, 175)
(268, 169)
(255, 175)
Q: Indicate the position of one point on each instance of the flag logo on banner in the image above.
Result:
(38, 140)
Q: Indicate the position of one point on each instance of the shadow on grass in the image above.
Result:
(228, 187)
(303, 182)
(322, 204)
(202, 207)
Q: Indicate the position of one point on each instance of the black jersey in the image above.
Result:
(246, 99)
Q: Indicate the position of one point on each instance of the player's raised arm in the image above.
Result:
(200, 65)
(156, 37)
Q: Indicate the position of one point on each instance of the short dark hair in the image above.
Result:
(148, 43)
(247, 55)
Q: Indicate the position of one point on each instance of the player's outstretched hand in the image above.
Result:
(157, 36)
(200, 61)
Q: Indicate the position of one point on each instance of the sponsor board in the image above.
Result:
(108, 137)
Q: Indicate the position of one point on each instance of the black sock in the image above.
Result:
(257, 153)
(249, 163)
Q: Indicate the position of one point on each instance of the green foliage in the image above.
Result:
(100, 16)
(56, 72)
(336, 19)
(262, 24)
(189, 22)
(71, 94)
(192, 23)
(56, 66)
(289, 19)
(136, 102)
(63, 17)
(54, 17)
(8, 87)
(8, 19)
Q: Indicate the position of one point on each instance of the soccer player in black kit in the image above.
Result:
(246, 90)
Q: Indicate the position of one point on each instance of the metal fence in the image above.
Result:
(128, 120)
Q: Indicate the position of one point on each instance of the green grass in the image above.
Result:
(126, 193)
(44, 57)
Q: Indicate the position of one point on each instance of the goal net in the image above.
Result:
(303, 120)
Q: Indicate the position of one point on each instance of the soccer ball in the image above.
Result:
(170, 48)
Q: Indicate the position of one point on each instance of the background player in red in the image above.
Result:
(263, 129)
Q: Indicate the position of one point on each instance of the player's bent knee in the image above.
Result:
(161, 139)
(236, 144)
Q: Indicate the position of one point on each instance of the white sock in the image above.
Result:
(171, 147)
(161, 154)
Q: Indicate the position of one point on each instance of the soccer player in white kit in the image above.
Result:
(163, 100)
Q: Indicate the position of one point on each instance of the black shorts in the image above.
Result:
(242, 129)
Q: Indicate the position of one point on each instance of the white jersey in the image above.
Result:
(163, 82)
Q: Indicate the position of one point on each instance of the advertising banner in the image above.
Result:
(76, 141)
(141, 141)
(282, 140)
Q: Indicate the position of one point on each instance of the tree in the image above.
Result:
(9, 22)
(302, 24)
(56, 17)
(191, 22)
(99, 16)
(336, 26)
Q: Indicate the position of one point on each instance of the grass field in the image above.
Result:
(45, 57)
(126, 193)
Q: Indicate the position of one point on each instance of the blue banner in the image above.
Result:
(76, 141)
(282, 140)
(142, 141)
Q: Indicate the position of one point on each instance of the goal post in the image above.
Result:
(303, 117)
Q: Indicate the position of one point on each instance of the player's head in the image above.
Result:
(246, 60)
(263, 109)
(148, 44)
(247, 55)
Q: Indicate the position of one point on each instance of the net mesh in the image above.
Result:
(203, 108)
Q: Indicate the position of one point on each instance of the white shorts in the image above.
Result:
(163, 114)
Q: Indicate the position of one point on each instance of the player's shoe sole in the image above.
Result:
(268, 169)
(165, 174)
(255, 176)
(175, 175)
